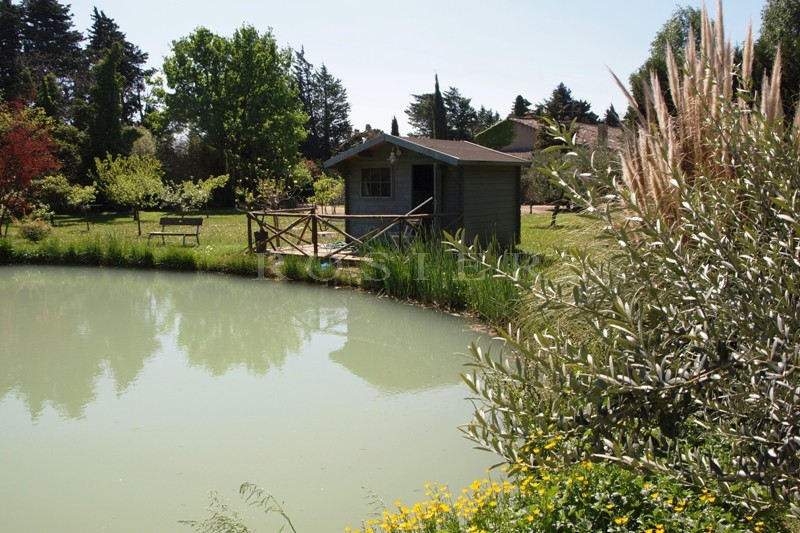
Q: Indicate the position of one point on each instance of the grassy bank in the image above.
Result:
(425, 272)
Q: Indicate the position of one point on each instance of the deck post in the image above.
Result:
(401, 229)
(314, 240)
(249, 232)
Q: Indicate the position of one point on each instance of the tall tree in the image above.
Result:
(521, 106)
(304, 81)
(440, 130)
(486, 118)
(780, 29)
(105, 111)
(611, 118)
(51, 45)
(102, 36)
(324, 101)
(395, 127)
(10, 50)
(461, 116)
(674, 35)
(238, 96)
(334, 111)
(420, 114)
(562, 107)
(49, 96)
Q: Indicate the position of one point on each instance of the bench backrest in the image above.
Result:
(172, 221)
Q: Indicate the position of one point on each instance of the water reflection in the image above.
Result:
(398, 354)
(62, 329)
(120, 386)
(57, 336)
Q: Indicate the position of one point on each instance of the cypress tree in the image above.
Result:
(105, 122)
(395, 127)
(439, 113)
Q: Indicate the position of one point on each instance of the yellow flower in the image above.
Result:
(622, 520)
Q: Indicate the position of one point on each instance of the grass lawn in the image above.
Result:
(224, 232)
(571, 230)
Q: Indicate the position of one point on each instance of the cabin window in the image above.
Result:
(376, 182)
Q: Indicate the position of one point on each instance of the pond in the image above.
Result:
(126, 396)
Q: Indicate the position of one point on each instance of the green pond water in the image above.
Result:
(126, 396)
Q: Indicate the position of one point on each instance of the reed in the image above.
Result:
(430, 273)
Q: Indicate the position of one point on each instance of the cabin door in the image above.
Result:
(422, 187)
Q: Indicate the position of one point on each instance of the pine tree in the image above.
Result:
(439, 114)
(420, 114)
(395, 127)
(611, 118)
(461, 116)
(102, 36)
(51, 45)
(10, 50)
(486, 118)
(562, 107)
(324, 101)
(334, 110)
(521, 106)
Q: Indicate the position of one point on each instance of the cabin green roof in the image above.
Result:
(450, 152)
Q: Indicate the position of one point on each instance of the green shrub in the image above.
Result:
(33, 230)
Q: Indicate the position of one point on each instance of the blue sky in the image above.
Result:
(386, 51)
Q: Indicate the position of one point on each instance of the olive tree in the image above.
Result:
(133, 182)
(676, 347)
(189, 195)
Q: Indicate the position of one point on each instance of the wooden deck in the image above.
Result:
(304, 232)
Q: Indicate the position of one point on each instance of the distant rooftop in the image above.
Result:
(450, 152)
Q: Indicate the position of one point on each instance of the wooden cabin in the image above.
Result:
(470, 186)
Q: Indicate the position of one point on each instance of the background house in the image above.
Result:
(478, 186)
(518, 135)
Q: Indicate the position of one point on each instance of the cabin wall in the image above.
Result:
(400, 201)
(491, 204)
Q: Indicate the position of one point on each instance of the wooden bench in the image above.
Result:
(173, 222)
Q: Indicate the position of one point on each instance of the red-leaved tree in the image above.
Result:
(26, 153)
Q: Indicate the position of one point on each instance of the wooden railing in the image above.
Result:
(308, 233)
